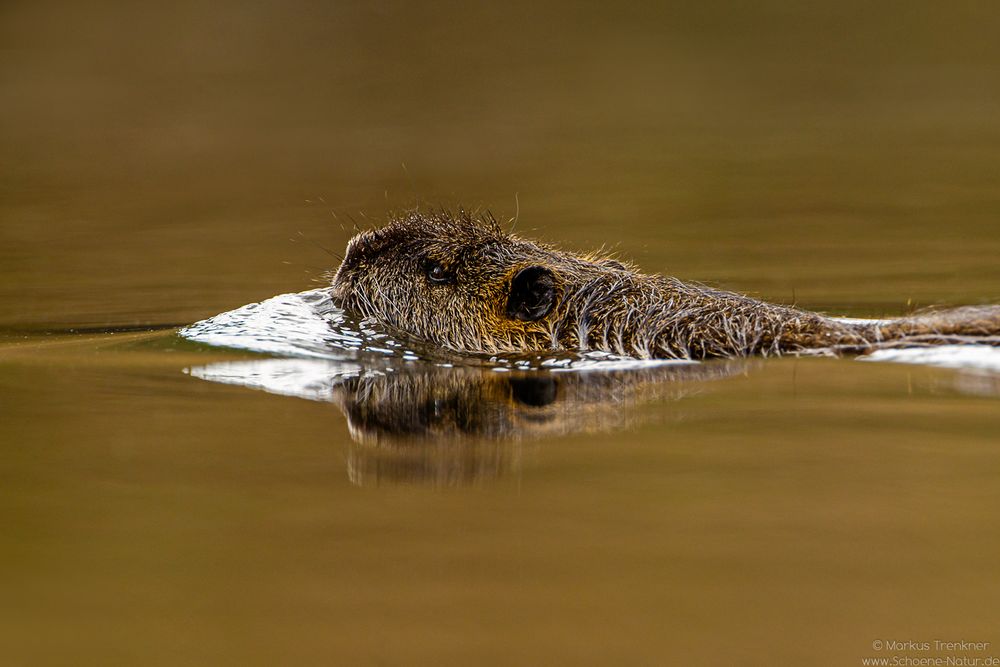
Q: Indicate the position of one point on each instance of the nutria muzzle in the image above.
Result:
(460, 282)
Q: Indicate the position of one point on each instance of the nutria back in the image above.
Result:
(461, 282)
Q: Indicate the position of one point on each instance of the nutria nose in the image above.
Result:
(360, 245)
(357, 243)
(352, 258)
(369, 242)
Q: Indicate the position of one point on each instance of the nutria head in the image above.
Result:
(459, 281)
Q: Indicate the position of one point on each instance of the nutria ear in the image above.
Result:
(532, 294)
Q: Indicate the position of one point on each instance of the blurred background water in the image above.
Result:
(161, 163)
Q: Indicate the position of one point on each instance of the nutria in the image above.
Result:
(461, 282)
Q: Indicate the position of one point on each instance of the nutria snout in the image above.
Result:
(461, 282)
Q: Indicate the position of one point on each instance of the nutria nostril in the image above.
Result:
(448, 279)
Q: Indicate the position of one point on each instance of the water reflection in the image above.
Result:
(977, 383)
(457, 425)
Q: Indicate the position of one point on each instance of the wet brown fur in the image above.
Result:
(601, 304)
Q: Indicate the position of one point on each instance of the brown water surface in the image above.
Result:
(160, 163)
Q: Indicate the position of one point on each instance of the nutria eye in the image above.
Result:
(437, 273)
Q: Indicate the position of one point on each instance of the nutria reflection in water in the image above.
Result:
(460, 282)
(449, 426)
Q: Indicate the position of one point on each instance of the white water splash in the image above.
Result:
(307, 324)
(976, 357)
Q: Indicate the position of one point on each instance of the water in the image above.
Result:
(170, 502)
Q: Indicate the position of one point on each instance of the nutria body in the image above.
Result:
(460, 282)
